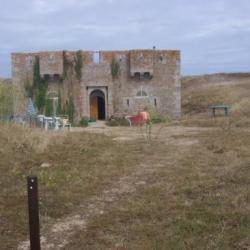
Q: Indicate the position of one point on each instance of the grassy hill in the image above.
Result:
(199, 92)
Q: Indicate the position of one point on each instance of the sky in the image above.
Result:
(213, 35)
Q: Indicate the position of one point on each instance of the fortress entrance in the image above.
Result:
(97, 105)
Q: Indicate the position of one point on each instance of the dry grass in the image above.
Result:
(188, 188)
(80, 165)
(198, 199)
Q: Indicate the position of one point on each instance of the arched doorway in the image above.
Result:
(97, 105)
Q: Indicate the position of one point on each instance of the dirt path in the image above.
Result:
(59, 234)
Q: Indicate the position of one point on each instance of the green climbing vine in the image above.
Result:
(78, 64)
(115, 68)
(48, 107)
(71, 109)
(59, 105)
(67, 64)
(29, 89)
(39, 87)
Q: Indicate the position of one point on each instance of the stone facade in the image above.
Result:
(110, 83)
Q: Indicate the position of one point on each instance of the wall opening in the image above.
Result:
(128, 102)
(137, 75)
(146, 75)
(97, 105)
(141, 93)
(96, 57)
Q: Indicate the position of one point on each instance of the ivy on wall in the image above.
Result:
(39, 87)
(49, 107)
(59, 105)
(67, 64)
(115, 68)
(71, 109)
(78, 64)
(29, 89)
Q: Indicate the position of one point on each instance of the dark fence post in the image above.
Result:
(33, 213)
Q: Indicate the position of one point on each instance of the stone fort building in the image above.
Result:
(106, 83)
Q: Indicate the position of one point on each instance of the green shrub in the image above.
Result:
(112, 123)
(117, 121)
(155, 117)
(7, 93)
(84, 122)
(92, 119)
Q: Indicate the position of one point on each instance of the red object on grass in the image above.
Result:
(140, 118)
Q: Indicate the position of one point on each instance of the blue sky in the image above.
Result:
(213, 35)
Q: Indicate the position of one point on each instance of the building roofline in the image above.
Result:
(92, 51)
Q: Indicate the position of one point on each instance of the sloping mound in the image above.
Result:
(214, 79)
(199, 92)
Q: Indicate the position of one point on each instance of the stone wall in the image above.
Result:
(146, 77)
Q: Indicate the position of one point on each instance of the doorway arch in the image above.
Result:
(97, 105)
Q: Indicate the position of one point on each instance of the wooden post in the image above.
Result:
(33, 213)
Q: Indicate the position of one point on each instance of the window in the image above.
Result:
(141, 93)
(146, 75)
(52, 95)
(128, 102)
(46, 77)
(29, 61)
(162, 60)
(155, 102)
(96, 57)
(141, 57)
(120, 58)
(56, 77)
(51, 59)
(137, 75)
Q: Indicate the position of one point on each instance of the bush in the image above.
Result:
(84, 122)
(117, 121)
(92, 120)
(155, 117)
(7, 93)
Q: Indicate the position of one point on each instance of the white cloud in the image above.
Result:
(219, 28)
(48, 6)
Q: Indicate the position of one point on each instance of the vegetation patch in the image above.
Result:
(115, 68)
(117, 121)
(78, 166)
(78, 64)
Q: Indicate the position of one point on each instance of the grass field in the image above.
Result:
(186, 188)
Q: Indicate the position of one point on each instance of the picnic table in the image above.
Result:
(224, 107)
